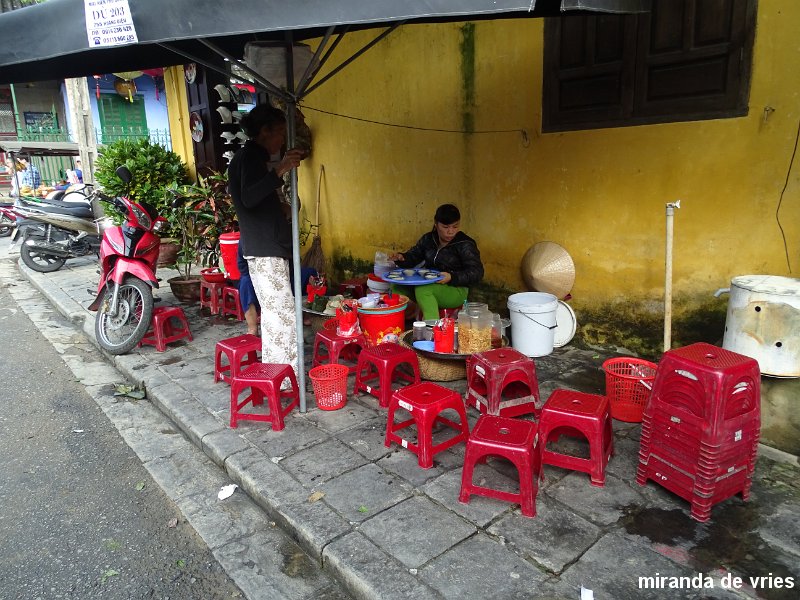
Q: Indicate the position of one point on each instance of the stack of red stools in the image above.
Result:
(701, 426)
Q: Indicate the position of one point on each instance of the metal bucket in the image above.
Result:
(763, 322)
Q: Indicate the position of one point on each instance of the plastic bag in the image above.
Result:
(347, 315)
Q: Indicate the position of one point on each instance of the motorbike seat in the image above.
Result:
(59, 208)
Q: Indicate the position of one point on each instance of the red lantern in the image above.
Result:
(97, 86)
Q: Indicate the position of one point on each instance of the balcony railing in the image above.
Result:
(102, 135)
(54, 168)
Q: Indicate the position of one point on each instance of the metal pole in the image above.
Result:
(298, 294)
(668, 276)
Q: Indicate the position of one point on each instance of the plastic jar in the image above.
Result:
(419, 331)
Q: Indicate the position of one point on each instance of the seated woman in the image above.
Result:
(449, 250)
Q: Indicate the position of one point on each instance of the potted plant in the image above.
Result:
(154, 169)
(202, 213)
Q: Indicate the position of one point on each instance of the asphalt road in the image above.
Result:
(80, 517)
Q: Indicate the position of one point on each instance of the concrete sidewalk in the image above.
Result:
(384, 528)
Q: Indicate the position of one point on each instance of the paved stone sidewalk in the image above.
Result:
(387, 529)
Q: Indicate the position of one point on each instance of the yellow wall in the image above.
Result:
(599, 193)
(178, 111)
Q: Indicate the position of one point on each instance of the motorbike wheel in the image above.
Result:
(38, 260)
(6, 226)
(119, 333)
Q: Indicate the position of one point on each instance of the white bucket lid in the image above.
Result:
(532, 302)
(566, 325)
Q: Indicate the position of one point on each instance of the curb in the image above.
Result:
(362, 568)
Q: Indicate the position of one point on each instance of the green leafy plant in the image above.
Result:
(153, 167)
(205, 212)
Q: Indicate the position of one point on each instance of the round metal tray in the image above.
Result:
(409, 339)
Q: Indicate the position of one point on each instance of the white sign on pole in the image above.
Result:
(109, 23)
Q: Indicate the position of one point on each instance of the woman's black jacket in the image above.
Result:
(461, 258)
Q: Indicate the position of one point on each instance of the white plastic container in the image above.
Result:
(533, 322)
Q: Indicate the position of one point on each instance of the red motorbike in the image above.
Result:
(8, 219)
(128, 255)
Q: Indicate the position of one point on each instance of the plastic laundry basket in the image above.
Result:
(330, 386)
(628, 385)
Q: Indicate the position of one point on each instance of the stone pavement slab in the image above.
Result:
(416, 530)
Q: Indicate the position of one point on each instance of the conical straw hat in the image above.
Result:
(547, 267)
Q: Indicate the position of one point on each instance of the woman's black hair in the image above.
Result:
(261, 116)
(447, 214)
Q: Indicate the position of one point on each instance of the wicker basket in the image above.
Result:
(434, 369)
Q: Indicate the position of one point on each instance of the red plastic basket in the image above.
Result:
(330, 386)
(331, 324)
(629, 382)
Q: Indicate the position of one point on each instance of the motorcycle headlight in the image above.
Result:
(141, 216)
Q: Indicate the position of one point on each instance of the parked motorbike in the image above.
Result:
(8, 219)
(53, 231)
(77, 192)
(128, 255)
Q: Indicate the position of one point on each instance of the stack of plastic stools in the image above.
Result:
(211, 296)
(264, 381)
(162, 330)
(567, 411)
(329, 347)
(241, 351)
(229, 304)
(513, 439)
(491, 373)
(425, 401)
(700, 428)
(379, 364)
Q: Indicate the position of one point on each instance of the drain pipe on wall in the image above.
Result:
(671, 206)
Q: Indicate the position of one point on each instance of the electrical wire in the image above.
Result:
(522, 132)
(780, 200)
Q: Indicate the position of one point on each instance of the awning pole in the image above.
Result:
(314, 64)
(298, 294)
(352, 58)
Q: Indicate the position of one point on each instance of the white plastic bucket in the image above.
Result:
(533, 322)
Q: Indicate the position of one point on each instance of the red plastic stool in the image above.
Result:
(241, 351)
(491, 373)
(161, 330)
(588, 414)
(211, 296)
(379, 364)
(230, 304)
(514, 440)
(264, 380)
(425, 401)
(330, 347)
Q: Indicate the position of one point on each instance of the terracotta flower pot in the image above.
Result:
(185, 290)
(167, 254)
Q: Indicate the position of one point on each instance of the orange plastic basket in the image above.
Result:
(330, 386)
(628, 385)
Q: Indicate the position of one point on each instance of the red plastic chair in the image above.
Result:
(230, 304)
(502, 382)
(330, 348)
(211, 296)
(379, 365)
(587, 414)
(264, 381)
(240, 351)
(162, 331)
(514, 440)
(424, 401)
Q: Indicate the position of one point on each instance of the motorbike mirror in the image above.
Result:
(124, 174)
